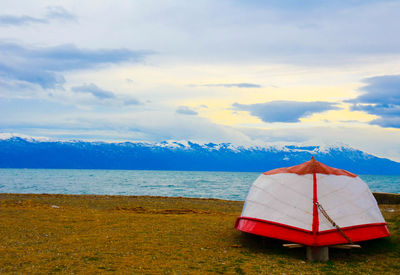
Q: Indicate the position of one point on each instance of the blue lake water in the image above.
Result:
(222, 185)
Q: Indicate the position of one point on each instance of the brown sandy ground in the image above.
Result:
(42, 234)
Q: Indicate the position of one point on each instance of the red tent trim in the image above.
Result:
(315, 222)
(276, 230)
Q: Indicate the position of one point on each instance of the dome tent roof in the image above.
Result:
(283, 204)
(310, 167)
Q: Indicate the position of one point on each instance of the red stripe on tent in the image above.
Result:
(274, 230)
(309, 167)
(354, 227)
(274, 223)
(297, 235)
(315, 223)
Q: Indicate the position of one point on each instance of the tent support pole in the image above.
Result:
(317, 253)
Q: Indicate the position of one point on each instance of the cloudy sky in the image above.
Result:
(245, 72)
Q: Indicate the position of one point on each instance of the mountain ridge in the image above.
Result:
(19, 152)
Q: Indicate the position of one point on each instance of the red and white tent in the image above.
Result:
(296, 203)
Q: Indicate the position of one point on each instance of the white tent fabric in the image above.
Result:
(287, 198)
(348, 201)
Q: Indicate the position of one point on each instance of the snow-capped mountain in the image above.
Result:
(22, 152)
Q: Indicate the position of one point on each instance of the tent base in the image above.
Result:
(297, 235)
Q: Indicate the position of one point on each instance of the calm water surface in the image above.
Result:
(222, 185)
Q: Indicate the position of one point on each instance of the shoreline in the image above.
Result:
(381, 197)
(387, 198)
(114, 196)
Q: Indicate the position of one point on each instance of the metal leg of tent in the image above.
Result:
(317, 253)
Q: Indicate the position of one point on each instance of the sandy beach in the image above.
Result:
(158, 235)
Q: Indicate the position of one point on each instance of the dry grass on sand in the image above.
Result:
(157, 235)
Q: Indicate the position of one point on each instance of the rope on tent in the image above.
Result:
(333, 223)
